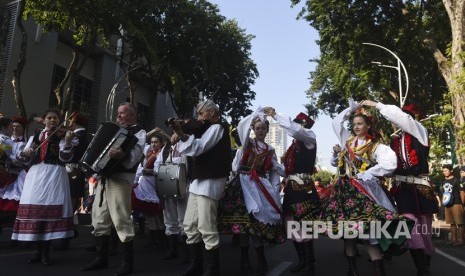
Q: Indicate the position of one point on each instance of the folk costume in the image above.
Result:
(299, 189)
(144, 196)
(45, 212)
(10, 194)
(412, 189)
(358, 194)
(251, 203)
(174, 209)
(112, 204)
(10, 182)
(210, 147)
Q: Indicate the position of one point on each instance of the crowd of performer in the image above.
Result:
(43, 181)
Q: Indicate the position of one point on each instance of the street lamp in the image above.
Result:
(402, 97)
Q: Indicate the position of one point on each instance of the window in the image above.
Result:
(81, 93)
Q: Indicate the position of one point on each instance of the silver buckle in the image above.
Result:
(410, 179)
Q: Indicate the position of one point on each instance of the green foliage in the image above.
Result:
(344, 69)
(182, 47)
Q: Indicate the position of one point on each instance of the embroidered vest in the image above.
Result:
(260, 162)
(415, 161)
(299, 159)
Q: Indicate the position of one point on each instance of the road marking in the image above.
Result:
(277, 270)
(452, 258)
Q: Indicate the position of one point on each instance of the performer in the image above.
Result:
(358, 195)
(257, 187)
(6, 151)
(412, 190)
(210, 146)
(299, 189)
(76, 175)
(10, 194)
(112, 204)
(144, 196)
(45, 212)
(174, 209)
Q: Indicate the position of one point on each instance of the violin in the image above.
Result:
(189, 126)
(61, 130)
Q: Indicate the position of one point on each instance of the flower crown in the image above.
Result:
(364, 112)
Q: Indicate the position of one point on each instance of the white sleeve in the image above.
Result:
(196, 146)
(404, 121)
(338, 126)
(296, 131)
(386, 163)
(237, 160)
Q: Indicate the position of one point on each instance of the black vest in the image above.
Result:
(52, 155)
(405, 167)
(304, 158)
(215, 163)
(409, 197)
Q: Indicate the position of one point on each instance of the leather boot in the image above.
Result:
(379, 267)
(152, 239)
(101, 262)
(46, 253)
(300, 248)
(185, 252)
(309, 259)
(128, 259)
(213, 262)
(353, 271)
(172, 248)
(245, 264)
(38, 256)
(262, 265)
(196, 266)
(421, 262)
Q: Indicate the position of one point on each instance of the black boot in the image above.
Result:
(196, 266)
(379, 267)
(114, 243)
(101, 261)
(353, 271)
(46, 253)
(262, 265)
(245, 264)
(213, 262)
(152, 239)
(185, 252)
(172, 248)
(300, 248)
(128, 259)
(38, 256)
(309, 261)
(420, 259)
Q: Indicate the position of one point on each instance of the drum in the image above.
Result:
(171, 180)
(96, 157)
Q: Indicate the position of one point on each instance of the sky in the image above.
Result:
(282, 49)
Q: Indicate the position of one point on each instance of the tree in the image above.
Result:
(181, 47)
(415, 29)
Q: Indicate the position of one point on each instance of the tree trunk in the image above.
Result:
(456, 11)
(16, 81)
(69, 72)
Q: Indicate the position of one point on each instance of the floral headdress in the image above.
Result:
(365, 113)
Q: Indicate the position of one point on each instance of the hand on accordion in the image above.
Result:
(116, 153)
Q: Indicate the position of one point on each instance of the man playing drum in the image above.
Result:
(114, 207)
(210, 169)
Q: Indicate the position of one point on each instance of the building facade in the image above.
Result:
(48, 56)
